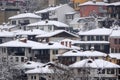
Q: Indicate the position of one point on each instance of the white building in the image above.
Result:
(73, 56)
(48, 25)
(47, 52)
(24, 19)
(97, 69)
(17, 50)
(57, 13)
(97, 38)
(56, 36)
(6, 36)
(50, 71)
(40, 73)
(29, 34)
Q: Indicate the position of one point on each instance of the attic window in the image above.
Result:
(46, 21)
(28, 63)
(50, 43)
(74, 51)
(89, 61)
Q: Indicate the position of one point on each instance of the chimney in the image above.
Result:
(23, 40)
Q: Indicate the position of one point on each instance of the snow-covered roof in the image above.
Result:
(115, 33)
(48, 9)
(6, 34)
(114, 4)
(55, 33)
(41, 70)
(48, 22)
(25, 15)
(97, 63)
(19, 43)
(52, 45)
(31, 32)
(90, 42)
(115, 55)
(98, 31)
(84, 53)
(31, 65)
(7, 26)
(92, 3)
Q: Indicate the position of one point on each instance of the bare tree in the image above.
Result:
(34, 5)
(61, 72)
(8, 71)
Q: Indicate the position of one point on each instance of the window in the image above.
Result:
(0, 40)
(119, 41)
(55, 52)
(22, 59)
(17, 59)
(103, 71)
(97, 38)
(88, 38)
(3, 50)
(49, 28)
(29, 50)
(31, 77)
(92, 38)
(4, 59)
(115, 41)
(69, 16)
(34, 77)
(115, 50)
(26, 21)
(16, 51)
(13, 22)
(106, 38)
(11, 59)
(119, 50)
(43, 55)
(112, 50)
(41, 28)
(101, 38)
(110, 71)
(51, 13)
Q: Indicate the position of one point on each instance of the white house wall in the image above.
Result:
(61, 12)
(94, 73)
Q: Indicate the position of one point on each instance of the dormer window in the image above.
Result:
(74, 51)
